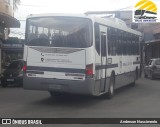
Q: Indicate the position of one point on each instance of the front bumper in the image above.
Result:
(12, 80)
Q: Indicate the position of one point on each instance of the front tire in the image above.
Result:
(111, 90)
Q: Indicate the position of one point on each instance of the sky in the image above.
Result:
(69, 6)
(28, 7)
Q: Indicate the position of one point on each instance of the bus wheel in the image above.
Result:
(110, 92)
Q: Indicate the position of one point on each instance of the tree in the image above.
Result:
(15, 4)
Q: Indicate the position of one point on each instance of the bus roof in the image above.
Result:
(111, 22)
(116, 23)
(57, 14)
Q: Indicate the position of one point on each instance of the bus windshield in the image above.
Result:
(59, 32)
(139, 12)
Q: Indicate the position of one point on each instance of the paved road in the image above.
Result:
(129, 102)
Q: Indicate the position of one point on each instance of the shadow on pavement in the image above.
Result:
(79, 100)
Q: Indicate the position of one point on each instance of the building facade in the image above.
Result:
(152, 45)
(12, 49)
(7, 21)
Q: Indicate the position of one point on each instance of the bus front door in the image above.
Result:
(103, 70)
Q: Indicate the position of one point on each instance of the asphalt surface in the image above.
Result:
(141, 101)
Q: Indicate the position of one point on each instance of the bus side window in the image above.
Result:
(120, 42)
(137, 45)
(103, 44)
(133, 44)
(109, 40)
(130, 44)
(97, 38)
(125, 43)
(114, 38)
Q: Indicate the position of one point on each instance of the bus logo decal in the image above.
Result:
(145, 11)
(42, 59)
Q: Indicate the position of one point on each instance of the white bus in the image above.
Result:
(79, 54)
(144, 14)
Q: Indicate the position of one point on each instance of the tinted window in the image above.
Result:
(109, 40)
(16, 65)
(150, 62)
(120, 42)
(103, 43)
(124, 43)
(138, 12)
(97, 38)
(59, 32)
(112, 41)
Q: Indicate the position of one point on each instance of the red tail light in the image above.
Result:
(24, 68)
(89, 71)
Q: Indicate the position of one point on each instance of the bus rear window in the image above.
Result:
(59, 32)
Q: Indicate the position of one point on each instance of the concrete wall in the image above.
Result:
(6, 6)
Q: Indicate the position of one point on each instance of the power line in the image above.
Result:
(124, 8)
(34, 5)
